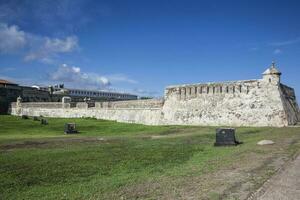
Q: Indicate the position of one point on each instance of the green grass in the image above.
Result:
(108, 160)
(17, 128)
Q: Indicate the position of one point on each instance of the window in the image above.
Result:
(207, 89)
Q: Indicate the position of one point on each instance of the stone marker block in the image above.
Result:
(226, 137)
(25, 117)
(70, 128)
(265, 142)
(44, 122)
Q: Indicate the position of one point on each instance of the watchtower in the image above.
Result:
(272, 75)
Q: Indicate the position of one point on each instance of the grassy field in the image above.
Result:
(110, 160)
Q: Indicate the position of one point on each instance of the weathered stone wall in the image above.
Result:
(148, 103)
(149, 116)
(81, 105)
(238, 103)
(290, 104)
(48, 105)
(262, 102)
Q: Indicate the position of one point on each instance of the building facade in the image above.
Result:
(81, 95)
(99, 95)
(9, 92)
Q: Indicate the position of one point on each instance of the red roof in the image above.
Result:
(2, 81)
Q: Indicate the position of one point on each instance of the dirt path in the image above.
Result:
(283, 186)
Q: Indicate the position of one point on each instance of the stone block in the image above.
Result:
(226, 137)
(70, 128)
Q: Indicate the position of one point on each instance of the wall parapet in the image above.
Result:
(132, 104)
(185, 91)
(143, 104)
(215, 83)
(48, 105)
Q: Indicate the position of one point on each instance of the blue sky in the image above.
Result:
(143, 46)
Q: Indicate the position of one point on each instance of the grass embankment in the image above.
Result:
(110, 160)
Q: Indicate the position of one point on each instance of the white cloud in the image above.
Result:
(75, 77)
(45, 49)
(287, 42)
(76, 69)
(64, 16)
(277, 51)
(35, 47)
(121, 78)
(143, 92)
(7, 69)
(11, 38)
(63, 46)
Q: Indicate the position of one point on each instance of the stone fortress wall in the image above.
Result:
(134, 111)
(238, 103)
(262, 102)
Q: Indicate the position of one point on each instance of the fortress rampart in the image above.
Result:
(189, 91)
(135, 111)
(261, 102)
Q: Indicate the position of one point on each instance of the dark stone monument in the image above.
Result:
(25, 117)
(44, 122)
(70, 128)
(35, 118)
(226, 137)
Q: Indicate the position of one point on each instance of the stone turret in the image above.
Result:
(272, 75)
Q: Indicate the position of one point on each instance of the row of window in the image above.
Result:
(100, 94)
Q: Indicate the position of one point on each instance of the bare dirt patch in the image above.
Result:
(283, 185)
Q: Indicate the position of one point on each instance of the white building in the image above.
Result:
(100, 94)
